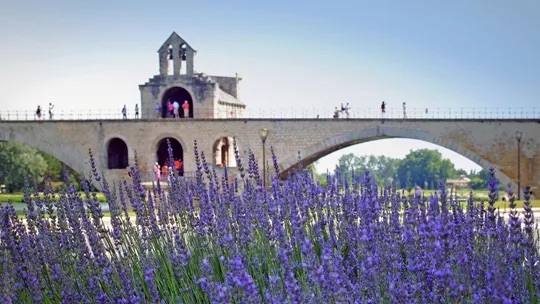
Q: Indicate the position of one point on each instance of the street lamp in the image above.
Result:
(519, 135)
(264, 134)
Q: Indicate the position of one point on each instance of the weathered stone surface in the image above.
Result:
(211, 96)
(482, 141)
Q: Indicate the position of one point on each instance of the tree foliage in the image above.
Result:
(54, 167)
(424, 168)
(479, 180)
(320, 177)
(19, 161)
(382, 168)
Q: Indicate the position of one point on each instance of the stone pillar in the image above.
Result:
(177, 60)
(163, 62)
(189, 61)
(235, 91)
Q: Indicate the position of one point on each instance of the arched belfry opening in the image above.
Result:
(117, 154)
(176, 57)
(170, 60)
(214, 96)
(183, 57)
(179, 95)
(163, 157)
(224, 152)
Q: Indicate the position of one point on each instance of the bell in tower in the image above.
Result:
(183, 52)
(207, 96)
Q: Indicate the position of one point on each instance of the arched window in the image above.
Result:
(117, 154)
(224, 152)
(170, 60)
(179, 95)
(183, 57)
(183, 51)
(163, 157)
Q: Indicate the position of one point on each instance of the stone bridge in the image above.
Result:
(115, 142)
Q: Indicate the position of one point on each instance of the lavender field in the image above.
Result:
(230, 240)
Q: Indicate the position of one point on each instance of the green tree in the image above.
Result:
(479, 180)
(424, 166)
(383, 169)
(54, 167)
(19, 161)
(315, 175)
(460, 172)
(348, 163)
(55, 171)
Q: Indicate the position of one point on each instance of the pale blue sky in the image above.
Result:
(303, 54)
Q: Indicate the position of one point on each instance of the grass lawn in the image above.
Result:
(17, 197)
(482, 195)
(18, 201)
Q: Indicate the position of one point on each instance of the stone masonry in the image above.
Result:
(482, 141)
(209, 96)
(296, 142)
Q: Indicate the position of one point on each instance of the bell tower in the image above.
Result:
(177, 82)
(177, 51)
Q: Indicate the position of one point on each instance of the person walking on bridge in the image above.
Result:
(171, 109)
(136, 110)
(51, 107)
(336, 113)
(176, 109)
(383, 107)
(177, 165)
(346, 109)
(158, 110)
(157, 172)
(185, 107)
(38, 112)
(124, 112)
(404, 111)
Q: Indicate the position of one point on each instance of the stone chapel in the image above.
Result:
(208, 96)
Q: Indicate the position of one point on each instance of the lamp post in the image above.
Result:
(519, 135)
(264, 134)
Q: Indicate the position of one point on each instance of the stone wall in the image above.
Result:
(202, 93)
(227, 84)
(482, 141)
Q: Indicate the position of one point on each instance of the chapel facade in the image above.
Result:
(208, 96)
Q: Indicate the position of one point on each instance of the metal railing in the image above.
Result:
(290, 113)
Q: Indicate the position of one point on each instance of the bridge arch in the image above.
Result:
(117, 154)
(162, 151)
(78, 162)
(304, 157)
(223, 152)
(50, 175)
(178, 94)
(163, 136)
